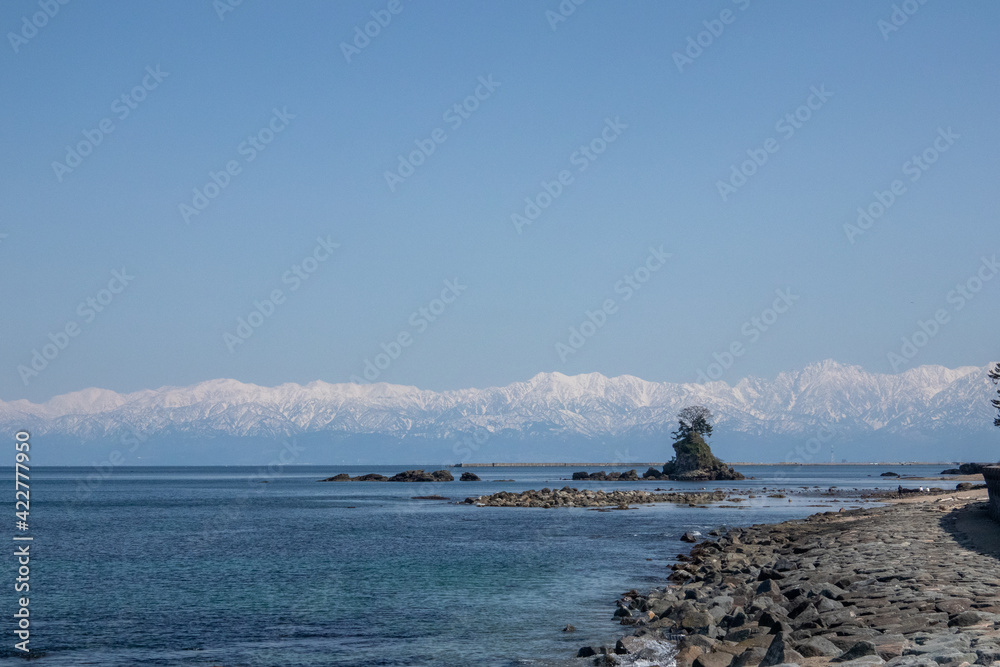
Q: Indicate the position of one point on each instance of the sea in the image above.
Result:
(255, 567)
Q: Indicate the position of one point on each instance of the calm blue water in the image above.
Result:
(208, 566)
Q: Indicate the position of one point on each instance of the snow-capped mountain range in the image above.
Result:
(922, 413)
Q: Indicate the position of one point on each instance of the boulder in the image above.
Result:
(713, 660)
(818, 647)
(627, 645)
(768, 587)
(775, 654)
(698, 621)
(954, 606)
(859, 650)
(750, 657)
(442, 476)
(686, 655)
(966, 619)
(469, 477)
(342, 477)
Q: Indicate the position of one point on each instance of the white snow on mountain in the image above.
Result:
(915, 404)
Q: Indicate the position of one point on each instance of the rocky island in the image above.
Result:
(693, 459)
(695, 462)
(405, 476)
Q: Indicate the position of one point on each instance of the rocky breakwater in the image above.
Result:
(906, 585)
(405, 476)
(570, 497)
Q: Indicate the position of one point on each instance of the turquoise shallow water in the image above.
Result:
(208, 566)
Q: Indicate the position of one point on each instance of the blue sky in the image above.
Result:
(278, 72)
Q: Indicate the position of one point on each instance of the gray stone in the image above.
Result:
(775, 654)
(987, 654)
(628, 645)
(911, 661)
(826, 604)
(859, 650)
(863, 661)
(742, 634)
(706, 644)
(966, 619)
(713, 660)
(697, 621)
(818, 647)
(954, 606)
(751, 657)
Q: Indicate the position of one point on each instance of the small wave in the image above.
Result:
(655, 652)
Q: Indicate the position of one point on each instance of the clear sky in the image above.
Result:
(309, 116)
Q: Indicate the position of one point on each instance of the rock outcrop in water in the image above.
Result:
(967, 469)
(695, 462)
(469, 477)
(405, 476)
(421, 476)
(601, 476)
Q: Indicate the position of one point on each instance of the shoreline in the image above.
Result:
(915, 582)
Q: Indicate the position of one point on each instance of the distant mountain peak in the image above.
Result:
(915, 404)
